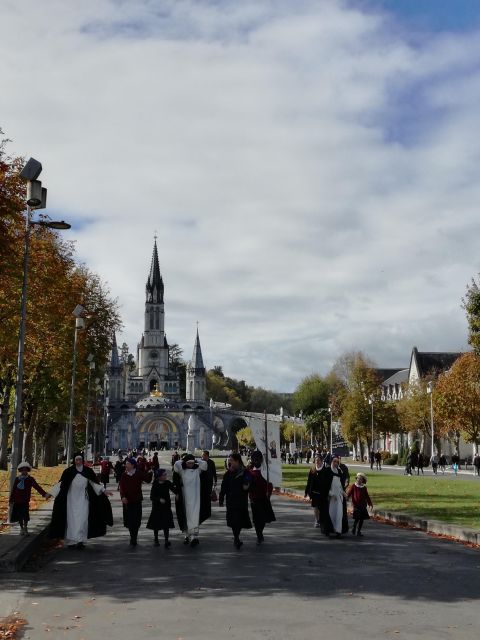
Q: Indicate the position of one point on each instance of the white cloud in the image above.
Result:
(310, 172)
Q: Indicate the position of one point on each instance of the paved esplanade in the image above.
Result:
(394, 583)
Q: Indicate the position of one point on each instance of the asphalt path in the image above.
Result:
(393, 583)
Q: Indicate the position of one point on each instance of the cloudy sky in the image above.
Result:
(310, 168)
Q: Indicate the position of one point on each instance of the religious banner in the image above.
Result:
(257, 426)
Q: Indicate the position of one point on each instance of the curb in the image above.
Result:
(15, 551)
(435, 527)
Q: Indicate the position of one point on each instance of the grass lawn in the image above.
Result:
(451, 500)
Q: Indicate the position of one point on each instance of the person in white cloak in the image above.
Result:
(81, 509)
(189, 497)
(336, 499)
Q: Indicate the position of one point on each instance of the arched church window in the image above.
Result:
(153, 383)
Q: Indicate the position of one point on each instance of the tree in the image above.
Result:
(245, 437)
(311, 394)
(414, 410)
(457, 400)
(471, 304)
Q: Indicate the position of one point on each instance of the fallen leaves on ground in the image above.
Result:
(11, 627)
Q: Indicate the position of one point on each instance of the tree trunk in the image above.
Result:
(27, 445)
(50, 446)
(5, 426)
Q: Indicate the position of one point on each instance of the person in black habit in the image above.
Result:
(315, 492)
(211, 473)
(235, 486)
(161, 516)
(260, 492)
(81, 509)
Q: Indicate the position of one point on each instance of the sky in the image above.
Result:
(310, 168)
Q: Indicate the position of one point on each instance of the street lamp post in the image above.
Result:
(36, 199)
(331, 430)
(79, 324)
(91, 367)
(370, 402)
(430, 392)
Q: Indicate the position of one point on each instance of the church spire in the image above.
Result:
(154, 288)
(197, 358)
(114, 358)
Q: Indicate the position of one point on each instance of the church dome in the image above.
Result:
(156, 400)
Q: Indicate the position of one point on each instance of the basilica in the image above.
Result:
(143, 405)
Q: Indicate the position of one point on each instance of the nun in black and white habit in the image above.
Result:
(192, 505)
(81, 509)
(333, 511)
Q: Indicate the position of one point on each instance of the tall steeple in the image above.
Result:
(154, 288)
(196, 375)
(114, 358)
(153, 352)
(197, 358)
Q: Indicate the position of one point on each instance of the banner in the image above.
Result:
(257, 426)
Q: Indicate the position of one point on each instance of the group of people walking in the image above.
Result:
(328, 489)
(81, 509)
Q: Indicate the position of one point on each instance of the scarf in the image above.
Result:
(21, 482)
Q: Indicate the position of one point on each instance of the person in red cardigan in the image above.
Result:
(20, 497)
(132, 497)
(360, 500)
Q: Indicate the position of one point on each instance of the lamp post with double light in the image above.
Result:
(36, 199)
(91, 367)
(430, 393)
(79, 325)
(371, 400)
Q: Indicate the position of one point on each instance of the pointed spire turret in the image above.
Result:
(114, 358)
(155, 288)
(197, 358)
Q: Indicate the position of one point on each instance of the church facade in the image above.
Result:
(143, 405)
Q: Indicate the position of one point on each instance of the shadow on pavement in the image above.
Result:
(295, 559)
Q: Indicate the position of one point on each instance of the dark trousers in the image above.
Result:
(165, 533)
(132, 518)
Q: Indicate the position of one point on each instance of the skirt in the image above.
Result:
(238, 518)
(161, 517)
(20, 511)
(360, 513)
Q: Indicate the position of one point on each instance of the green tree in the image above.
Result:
(311, 394)
(471, 304)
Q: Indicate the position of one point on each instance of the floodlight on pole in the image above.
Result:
(36, 199)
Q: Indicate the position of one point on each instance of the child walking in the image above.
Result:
(161, 516)
(20, 497)
(360, 499)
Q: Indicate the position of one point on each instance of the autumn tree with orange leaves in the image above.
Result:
(56, 284)
(457, 401)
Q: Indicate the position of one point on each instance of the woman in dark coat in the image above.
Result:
(235, 486)
(260, 492)
(314, 492)
(81, 509)
(161, 516)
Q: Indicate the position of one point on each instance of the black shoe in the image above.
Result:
(360, 534)
(168, 544)
(260, 539)
(80, 546)
(195, 542)
(156, 543)
(238, 543)
(133, 543)
(186, 540)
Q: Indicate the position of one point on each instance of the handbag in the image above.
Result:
(213, 496)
